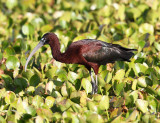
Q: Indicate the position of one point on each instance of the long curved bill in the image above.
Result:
(39, 45)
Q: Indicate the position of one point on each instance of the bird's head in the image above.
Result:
(44, 40)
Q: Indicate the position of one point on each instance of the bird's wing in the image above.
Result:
(102, 53)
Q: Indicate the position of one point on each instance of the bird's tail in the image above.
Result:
(126, 53)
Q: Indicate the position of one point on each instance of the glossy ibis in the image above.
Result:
(88, 52)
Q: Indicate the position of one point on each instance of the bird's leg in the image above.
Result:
(96, 85)
(93, 83)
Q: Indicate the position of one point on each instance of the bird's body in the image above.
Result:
(88, 52)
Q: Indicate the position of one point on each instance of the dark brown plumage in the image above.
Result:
(89, 52)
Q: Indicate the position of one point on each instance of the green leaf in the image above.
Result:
(51, 72)
(158, 91)
(61, 74)
(38, 22)
(21, 82)
(64, 90)
(132, 117)
(97, 97)
(121, 12)
(91, 106)
(142, 82)
(155, 4)
(83, 99)
(86, 84)
(9, 51)
(74, 118)
(109, 77)
(2, 120)
(157, 46)
(117, 37)
(10, 97)
(8, 80)
(88, 35)
(63, 104)
(118, 87)
(95, 118)
(151, 90)
(146, 118)
(23, 45)
(119, 75)
(100, 3)
(106, 11)
(23, 60)
(129, 32)
(2, 92)
(37, 101)
(35, 80)
(133, 13)
(143, 7)
(28, 29)
(152, 15)
(75, 96)
(49, 87)
(141, 43)
(66, 16)
(78, 25)
(152, 103)
(28, 74)
(63, 23)
(146, 28)
(142, 105)
(72, 76)
(103, 37)
(20, 107)
(30, 110)
(104, 103)
(81, 5)
(45, 113)
(1, 56)
(11, 3)
(56, 116)
(11, 117)
(49, 101)
(134, 84)
(101, 81)
(5, 44)
(46, 28)
(39, 119)
(138, 67)
(43, 58)
(134, 96)
(117, 119)
(12, 62)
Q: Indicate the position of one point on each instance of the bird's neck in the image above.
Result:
(55, 48)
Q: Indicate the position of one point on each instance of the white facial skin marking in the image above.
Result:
(43, 39)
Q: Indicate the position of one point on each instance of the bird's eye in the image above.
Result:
(43, 40)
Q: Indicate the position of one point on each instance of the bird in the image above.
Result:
(91, 53)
